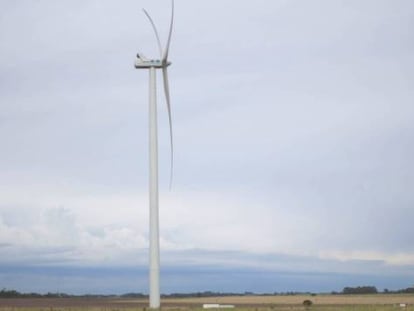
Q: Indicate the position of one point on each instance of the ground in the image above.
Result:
(255, 303)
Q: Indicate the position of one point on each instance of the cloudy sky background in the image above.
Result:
(293, 127)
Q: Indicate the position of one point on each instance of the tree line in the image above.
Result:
(361, 290)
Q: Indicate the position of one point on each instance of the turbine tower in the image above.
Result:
(152, 65)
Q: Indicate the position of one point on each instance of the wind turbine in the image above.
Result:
(152, 65)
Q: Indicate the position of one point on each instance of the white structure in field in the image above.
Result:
(211, 306)
(217, 306)
(152, 65)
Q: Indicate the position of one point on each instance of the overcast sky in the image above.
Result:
(294, 141)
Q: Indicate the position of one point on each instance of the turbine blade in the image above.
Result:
(167, 97)
(155, 31)
(167, 47)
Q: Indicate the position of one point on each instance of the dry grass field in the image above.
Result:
(298, 299)
(254, 303)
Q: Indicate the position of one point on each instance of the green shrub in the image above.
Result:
(307, 303)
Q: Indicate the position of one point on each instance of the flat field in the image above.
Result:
(255, 303)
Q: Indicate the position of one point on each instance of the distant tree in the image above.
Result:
(360, 290)
(409, 290)
(4, 293)
(133, 295)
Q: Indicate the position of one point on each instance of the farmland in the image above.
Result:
(292, 302)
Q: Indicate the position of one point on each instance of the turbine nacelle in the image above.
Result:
(142, 62)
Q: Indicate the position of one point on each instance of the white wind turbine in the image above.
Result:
(152, 64)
